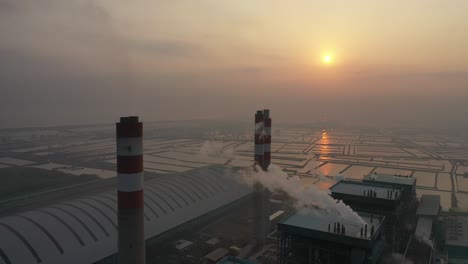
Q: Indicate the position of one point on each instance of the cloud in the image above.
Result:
(447, 74)
(168, 48)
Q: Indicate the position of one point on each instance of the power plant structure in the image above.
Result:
(210, 206)
(131, 234)
(262, 159)
(393, 222)
(322, 238)
(103, 226)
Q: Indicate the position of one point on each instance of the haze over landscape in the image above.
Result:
(397, 62)
(233, 132)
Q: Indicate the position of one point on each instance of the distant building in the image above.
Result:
(423, 245)
(407, 183)
(319, 238)
(216, 255)
(456, 239)
(429, 206)
(368, 197)
(377, 198)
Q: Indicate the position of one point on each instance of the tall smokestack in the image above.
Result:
(259, 139)
(266, 163)
(266, 140)
(259, 210)
(131, 239)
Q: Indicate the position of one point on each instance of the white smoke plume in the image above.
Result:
(308, 199)
(423, 239)
(215, 149)
(259, 128)
(340, 177)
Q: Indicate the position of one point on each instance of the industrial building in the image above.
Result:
(375, 198)
(84, 230)
(321, 238)
(110, 226)
(368, 197)
(387, 203)
(406, 183)
(428, 232)
(456, 239)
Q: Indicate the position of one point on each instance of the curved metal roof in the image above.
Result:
(84, 230)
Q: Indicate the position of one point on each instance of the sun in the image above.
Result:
(327, 59)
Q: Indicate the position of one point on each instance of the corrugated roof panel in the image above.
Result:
(4, 259)
(162, 205)
(109, 205)
(33, 235)
(46, 232)
(71, 226)
(96, 219)
(14, 247)
(189, 188)
(204, 183)
(63, 235)
(172, 199)
(110, 218)
(186, 198)
(82, 226)
(200, 188)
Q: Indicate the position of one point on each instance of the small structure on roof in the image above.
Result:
(213, 241)
(429, 205)
(216, 255)
(181, 244)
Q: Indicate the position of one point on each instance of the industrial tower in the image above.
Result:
(262, 159)
(131, 239)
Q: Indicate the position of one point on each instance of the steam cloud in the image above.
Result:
(308, 199)
(259, 128)
(423, 239)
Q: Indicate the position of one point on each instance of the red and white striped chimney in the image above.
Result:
(266, 140)
(258, 158)
(131, 239)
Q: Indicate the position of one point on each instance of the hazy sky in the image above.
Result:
(90, 61)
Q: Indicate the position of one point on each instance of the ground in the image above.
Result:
(438, 161)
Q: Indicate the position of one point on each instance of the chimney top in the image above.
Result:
(129, 120)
